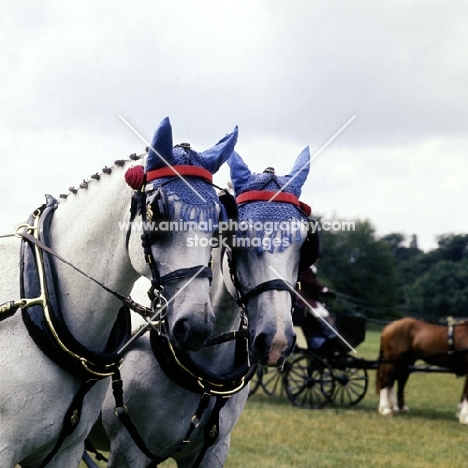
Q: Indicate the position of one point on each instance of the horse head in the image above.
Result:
(266, 253)
(181, 213)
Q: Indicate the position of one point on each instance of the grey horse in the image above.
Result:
(185, 405)
(36, 393)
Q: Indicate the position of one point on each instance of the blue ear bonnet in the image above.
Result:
(266, 212)
(162, 152)
(276, 218)
(180, 156)
(187, 156)
(260, 182)
(194, 207)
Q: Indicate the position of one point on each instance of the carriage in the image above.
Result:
(313, 377)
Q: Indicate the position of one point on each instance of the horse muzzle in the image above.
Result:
(267, 351)
(190, 335)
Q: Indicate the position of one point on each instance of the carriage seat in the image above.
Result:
(320, 339)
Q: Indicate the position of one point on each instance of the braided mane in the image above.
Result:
(105, 170)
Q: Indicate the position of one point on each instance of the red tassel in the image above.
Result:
(135, 176)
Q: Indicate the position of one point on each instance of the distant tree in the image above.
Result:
(390, 273)
(406, 261)
(356, 263)
(441, 291)
(395, 242)
(452, 247)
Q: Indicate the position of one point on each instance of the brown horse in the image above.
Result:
(403, 342)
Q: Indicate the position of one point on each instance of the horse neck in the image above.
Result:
(86, 232)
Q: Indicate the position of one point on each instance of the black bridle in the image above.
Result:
(158, 281)
(243, 298)
(140, 204)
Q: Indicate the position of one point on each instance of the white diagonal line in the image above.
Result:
(167, 164)
(314, 311)
(143, 329)
(312, 158)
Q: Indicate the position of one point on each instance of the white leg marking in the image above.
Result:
(463, 415)
(392, 398)
(386, 405)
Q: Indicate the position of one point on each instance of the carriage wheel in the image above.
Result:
(272, 381)
(310, 382)
(351, 385)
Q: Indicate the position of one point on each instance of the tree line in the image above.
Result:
(390, 277)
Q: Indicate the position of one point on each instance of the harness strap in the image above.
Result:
(71, 419)
(8, 309)
(202, 406)
(183, 372)
(211, 430)
(225, 337)
(124, 299)
(188, 273)
(451, 337)
(148, 254)
(89, 447)
(276, 284)
(122, 413)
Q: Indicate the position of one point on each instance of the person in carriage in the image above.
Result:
(311, 314)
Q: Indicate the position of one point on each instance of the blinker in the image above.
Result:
(157, 205)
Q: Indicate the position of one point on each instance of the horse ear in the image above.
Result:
(219, 153)
(240, 173)
(301, 168)
(161, 146)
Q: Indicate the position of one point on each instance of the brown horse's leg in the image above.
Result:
(387, 404)
(385, 387)
(385, 376)
(463, 405)
(402, 379)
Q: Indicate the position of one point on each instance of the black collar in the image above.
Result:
(50, 332)
(179, 366)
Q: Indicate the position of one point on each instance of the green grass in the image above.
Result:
(273, 433)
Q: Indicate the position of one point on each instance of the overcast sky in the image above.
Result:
(290, 73)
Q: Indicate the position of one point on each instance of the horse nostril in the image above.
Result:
(260, 349)
(261, 341)
(191, 334)
(293, 345)
(180, 330)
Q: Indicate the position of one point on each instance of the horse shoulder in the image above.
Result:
(398, 336)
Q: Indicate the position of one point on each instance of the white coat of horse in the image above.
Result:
(161, 409)
(34, 391)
